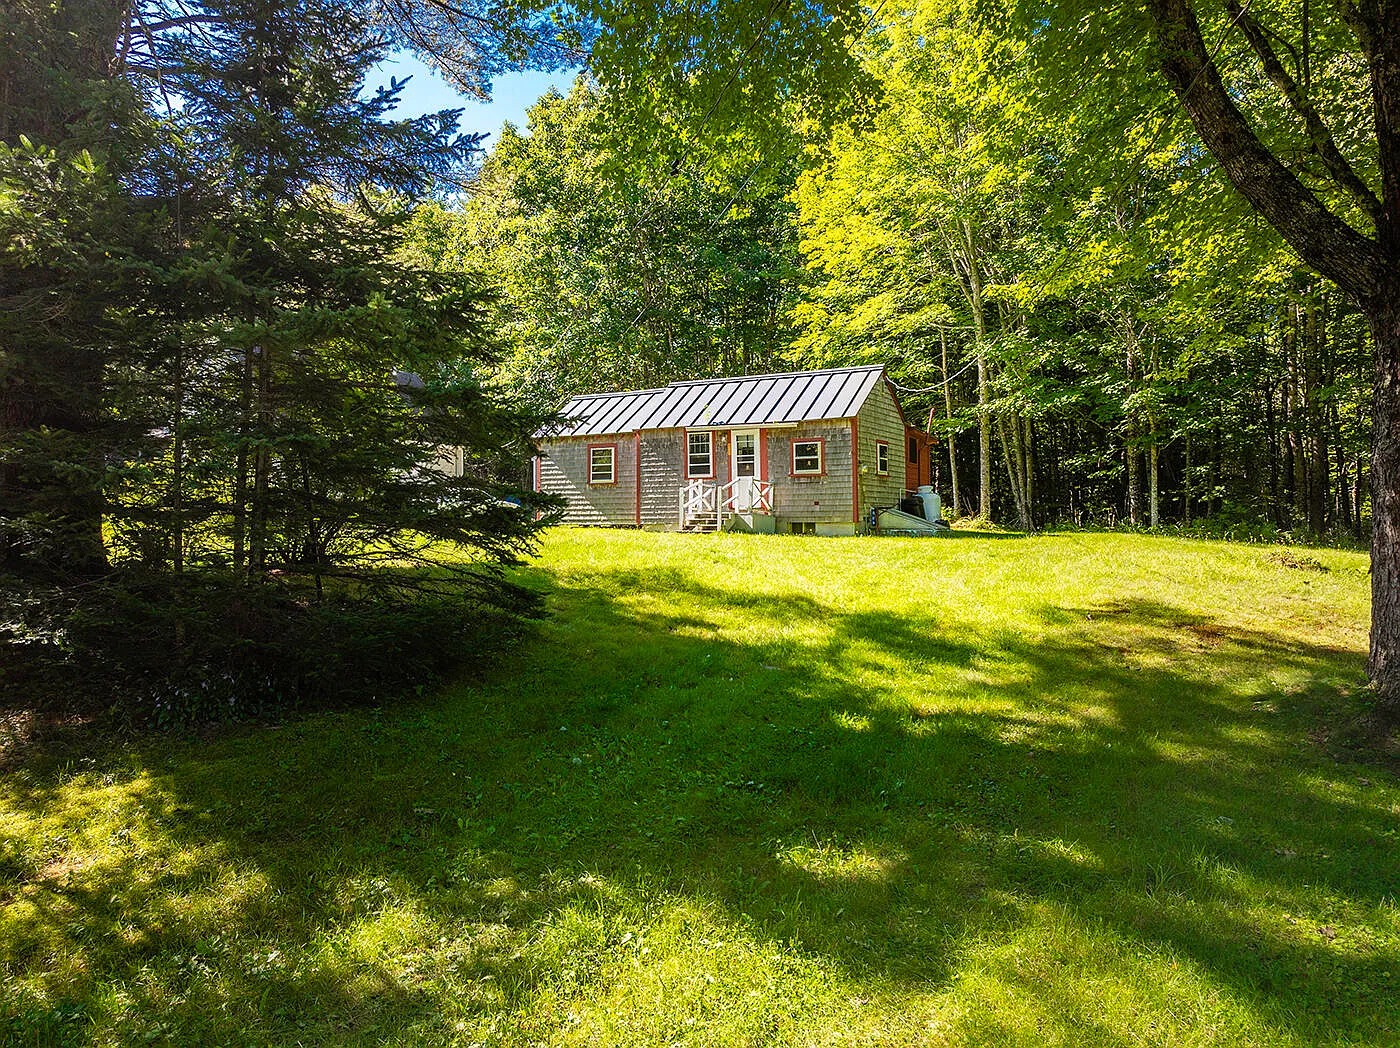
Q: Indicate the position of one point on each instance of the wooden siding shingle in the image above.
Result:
(826, 498)
(880, 420)
(663, 475)
(564, 472)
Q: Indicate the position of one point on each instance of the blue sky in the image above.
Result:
(511, 94)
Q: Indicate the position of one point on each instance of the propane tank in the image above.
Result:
(933, 507)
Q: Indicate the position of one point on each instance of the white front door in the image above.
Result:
(743, 467)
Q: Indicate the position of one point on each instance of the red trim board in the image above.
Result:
(855, 471)
(637, 464)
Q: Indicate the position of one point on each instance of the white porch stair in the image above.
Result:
(706, 505)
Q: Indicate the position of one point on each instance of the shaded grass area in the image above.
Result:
(762, 790)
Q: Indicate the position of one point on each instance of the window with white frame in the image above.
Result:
(806, 457)
(882, 457)
(602, 464)
(701, 455)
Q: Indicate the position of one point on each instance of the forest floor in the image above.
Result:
(742, 790)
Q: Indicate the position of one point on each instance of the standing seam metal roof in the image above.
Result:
(754, 400)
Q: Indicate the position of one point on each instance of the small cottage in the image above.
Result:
(809, 451)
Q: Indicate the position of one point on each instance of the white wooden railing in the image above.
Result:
(747, 495)
(699, 498)
(711, 500)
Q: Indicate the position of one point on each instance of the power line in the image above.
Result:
(934, 389)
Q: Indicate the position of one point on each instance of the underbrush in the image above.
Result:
(1227, 530)
(209, 647)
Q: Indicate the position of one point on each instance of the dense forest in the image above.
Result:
(1132, 265)
(1096, 327)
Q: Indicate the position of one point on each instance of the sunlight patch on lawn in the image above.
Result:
(1057, 979)
(852, 721)
(834, 863)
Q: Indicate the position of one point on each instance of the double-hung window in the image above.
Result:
(882, 458)
(807, 458)
(602, 464)
(700, 455)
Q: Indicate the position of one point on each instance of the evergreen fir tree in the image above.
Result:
(68, 132)
(247, 319)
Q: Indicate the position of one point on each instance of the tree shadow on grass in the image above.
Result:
(1127, 771)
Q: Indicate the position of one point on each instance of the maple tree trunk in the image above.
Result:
(1384, 667)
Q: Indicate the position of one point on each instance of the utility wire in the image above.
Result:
(935, 389)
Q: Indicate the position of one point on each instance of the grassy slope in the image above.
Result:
(762, 790)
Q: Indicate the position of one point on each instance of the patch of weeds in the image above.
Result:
(57, 1026)
(1292, 558)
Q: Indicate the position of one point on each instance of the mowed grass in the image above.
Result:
(747, 790)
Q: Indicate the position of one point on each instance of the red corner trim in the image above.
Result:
(855, 472)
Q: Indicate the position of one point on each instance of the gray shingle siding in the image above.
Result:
(564, 471)
(823, 498)
(663, 475)
(880, 420)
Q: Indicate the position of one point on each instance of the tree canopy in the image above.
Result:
(1130, 264)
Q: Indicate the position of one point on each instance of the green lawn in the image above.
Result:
(763, 790)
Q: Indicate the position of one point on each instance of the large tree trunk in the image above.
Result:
(1274, 500)
(952, 434)
(1134, 460)
(1384, 319)
(1153, 476)
(1131, 452)
(1315, 339)
(1186, 482)
(979, 326)
(1028, 456)
(984, 439)
(1013, 458)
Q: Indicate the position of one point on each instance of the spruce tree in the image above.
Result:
(69, 130)
(290, 444)
(270, 389)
